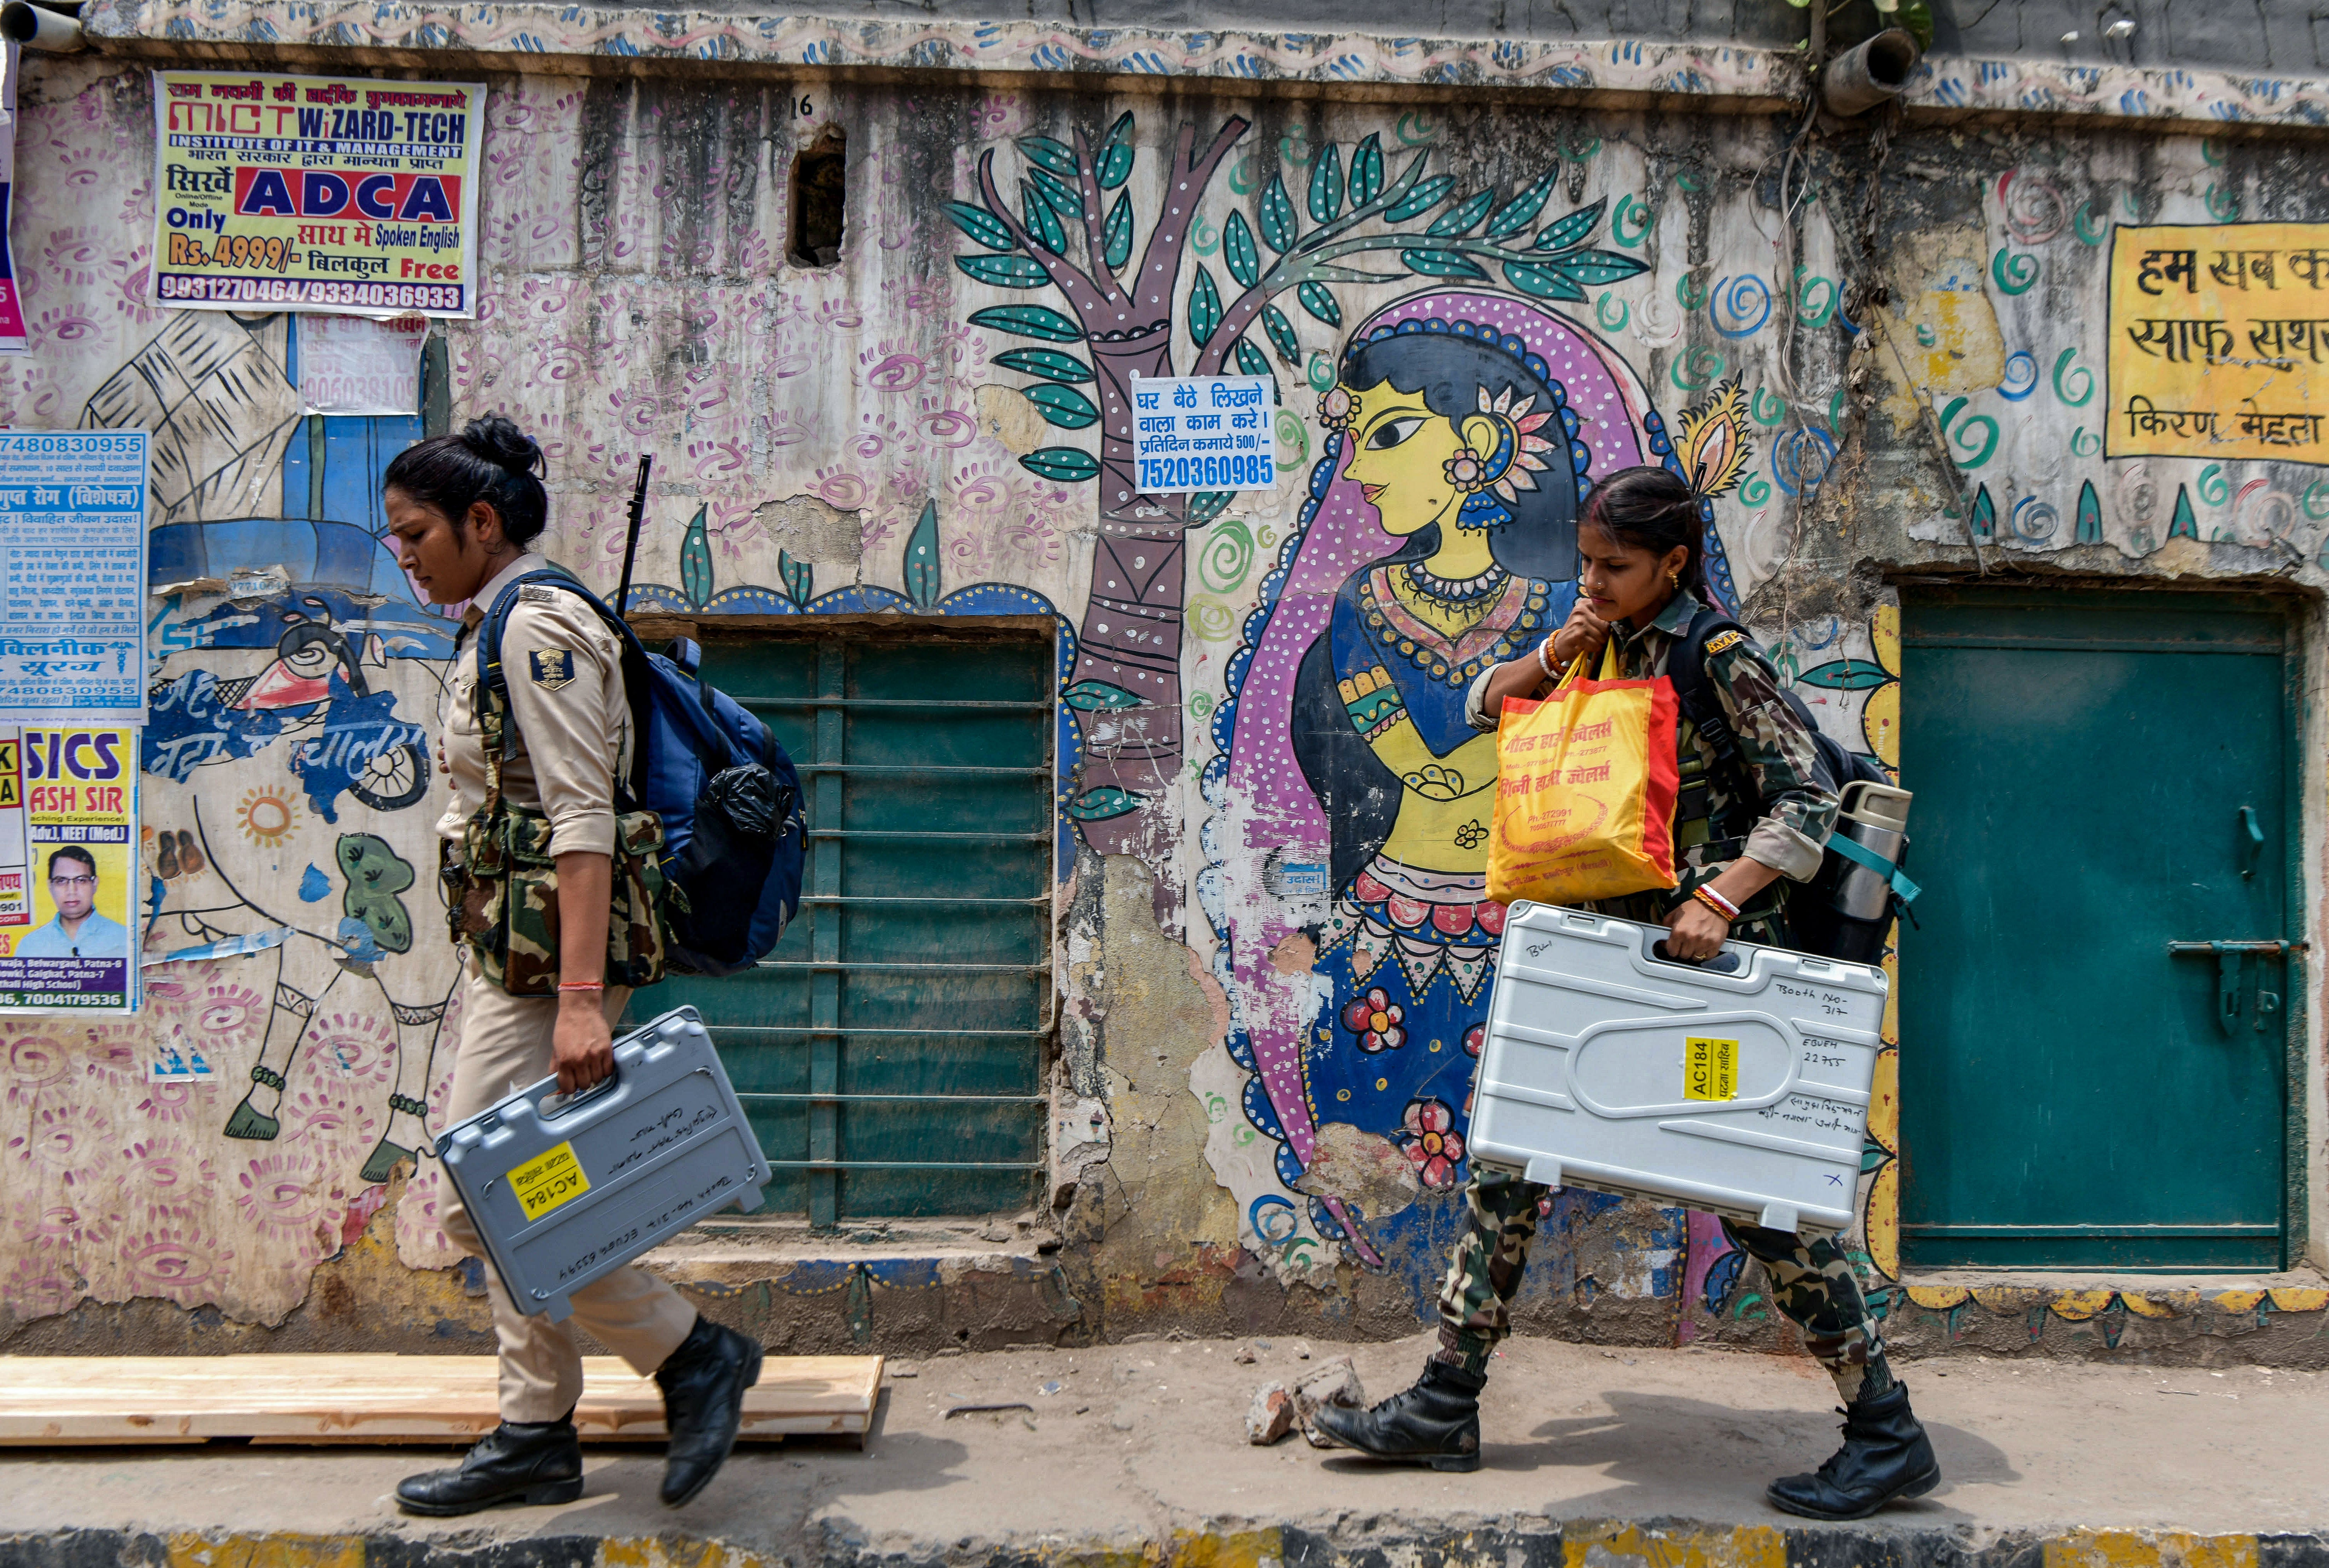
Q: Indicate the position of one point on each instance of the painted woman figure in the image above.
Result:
(1440, 540)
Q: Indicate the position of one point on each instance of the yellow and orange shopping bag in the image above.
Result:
(1585, 791)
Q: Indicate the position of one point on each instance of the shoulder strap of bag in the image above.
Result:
(493, 683)
(1695, 696)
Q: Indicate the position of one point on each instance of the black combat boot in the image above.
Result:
(1885, 1456)
(517, 1462)
(1436, 1422)
(703, 1383)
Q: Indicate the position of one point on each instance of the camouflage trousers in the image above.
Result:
(1811, 1284)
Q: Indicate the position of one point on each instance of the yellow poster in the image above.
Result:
(2218, 338)
(316, 192)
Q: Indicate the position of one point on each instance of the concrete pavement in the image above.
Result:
(1137, 1452)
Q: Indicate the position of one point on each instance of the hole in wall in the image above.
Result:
(820, 189)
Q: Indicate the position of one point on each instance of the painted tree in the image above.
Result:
(1064, 234)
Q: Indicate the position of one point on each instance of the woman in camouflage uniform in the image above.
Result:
(464, 511)
(1639, 542)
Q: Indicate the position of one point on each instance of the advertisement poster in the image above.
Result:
(2217, 332)
(1208, 432)
(67, 865)
(316, 192)
(12, 309)
(357, 364)
(72, 576)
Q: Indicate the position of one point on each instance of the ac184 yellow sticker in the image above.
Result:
(1709, 1069)
(550, 1178)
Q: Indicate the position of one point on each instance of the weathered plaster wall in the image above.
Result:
(1246, 1135)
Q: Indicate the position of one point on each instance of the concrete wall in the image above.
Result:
(1231, 1150)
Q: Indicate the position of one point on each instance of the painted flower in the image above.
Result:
(1375, 1019)
(1473, 1038)
(1465, 470)
(1471, 836)
(1433, 1145)
(1338, 407)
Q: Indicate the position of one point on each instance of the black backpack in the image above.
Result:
(1816, 925)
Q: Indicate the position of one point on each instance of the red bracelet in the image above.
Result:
(566, 986)
(1704, 893)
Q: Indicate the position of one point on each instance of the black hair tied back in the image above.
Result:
(1651, 509)
(491, 461)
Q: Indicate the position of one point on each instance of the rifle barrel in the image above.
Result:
(631, 535)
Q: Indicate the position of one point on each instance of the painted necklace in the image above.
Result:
(1442, 590)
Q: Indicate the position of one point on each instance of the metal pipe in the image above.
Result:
(37, 27)
(1870, 73)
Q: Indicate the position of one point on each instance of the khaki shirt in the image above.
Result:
(573, 722)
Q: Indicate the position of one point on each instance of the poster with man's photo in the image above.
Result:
(68, 869)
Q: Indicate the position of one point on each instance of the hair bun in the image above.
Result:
(497, 439)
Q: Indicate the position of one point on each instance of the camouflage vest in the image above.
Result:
(502, 891)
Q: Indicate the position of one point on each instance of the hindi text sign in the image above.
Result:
(1203, 432)
(312, 193)
(72, 576)
(2219, 344)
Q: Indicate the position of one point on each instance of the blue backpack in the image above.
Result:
(733, 836)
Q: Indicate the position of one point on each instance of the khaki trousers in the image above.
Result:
(505, 1045)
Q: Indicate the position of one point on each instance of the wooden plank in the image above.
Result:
(383, 1399)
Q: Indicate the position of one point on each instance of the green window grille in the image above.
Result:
(890, 1052)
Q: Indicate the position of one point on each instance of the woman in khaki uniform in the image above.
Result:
(463, 511)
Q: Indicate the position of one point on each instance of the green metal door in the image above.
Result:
(889, 1050)
(2098, 777)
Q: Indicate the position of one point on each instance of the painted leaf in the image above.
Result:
(1281, 333)
(1250, 360)
(922, 558)
(1041, 221)
(1542, 281)
(1442, 264)
(1984, 512)
(1238, 252)
(1098, 805)
(2090, 515)
(981, 226)
(1098, 696)
(1048, 363)
(1208, 504)
(1028, 321)
(1115, 158)
(2183, 524)
(1068, 465)
(1319, 301)
(1367, 171)
(1572, 230)
(1055, 156)
(799, 578)
(1326, 186)
(1279, 224)
(1065, 199)
(1521, 210)
(1116, 233)
(1204, 306)
(1006, 271)
(1063, 406)
(1845, 676)
(1461, 218)
(695, 561)
(1426, 195)
(1594, 267)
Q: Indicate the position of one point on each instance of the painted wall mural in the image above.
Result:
(1260, 692)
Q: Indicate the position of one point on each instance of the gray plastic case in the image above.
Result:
(566, 1193)
(1584, 1074)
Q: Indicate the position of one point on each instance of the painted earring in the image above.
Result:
(1468, 470)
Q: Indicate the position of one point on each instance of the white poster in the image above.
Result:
(72, 576)
(355, 365)
(1203, 432)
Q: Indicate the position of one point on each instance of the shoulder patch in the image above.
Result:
(536, 593)
(551, 667)
(1724, 641)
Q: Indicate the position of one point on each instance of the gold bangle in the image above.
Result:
(1704, 893)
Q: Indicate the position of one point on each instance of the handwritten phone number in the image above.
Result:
(1215, 473)
(313, 291)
